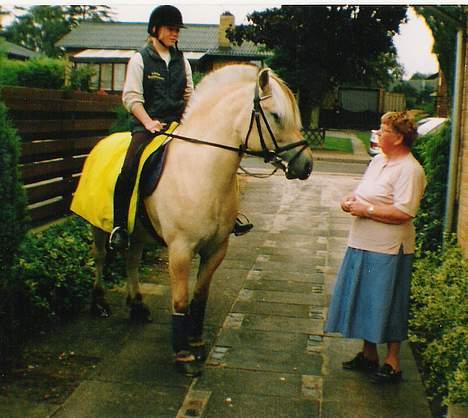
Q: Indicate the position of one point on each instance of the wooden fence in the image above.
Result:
(58, 129)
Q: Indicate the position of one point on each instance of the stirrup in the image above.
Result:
(241, 228)
(118, 239)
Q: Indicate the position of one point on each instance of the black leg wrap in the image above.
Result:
(180, 327)
(185, 362)
(197, 317)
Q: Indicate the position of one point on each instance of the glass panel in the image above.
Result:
(106, 76)
(119, 76)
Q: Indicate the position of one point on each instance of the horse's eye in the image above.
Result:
(276, 117)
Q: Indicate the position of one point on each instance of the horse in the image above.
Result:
(235, 110)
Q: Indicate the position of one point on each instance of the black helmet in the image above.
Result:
(165, 16)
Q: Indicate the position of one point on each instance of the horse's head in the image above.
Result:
(278, 124)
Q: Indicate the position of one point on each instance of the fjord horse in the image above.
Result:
(235, 110)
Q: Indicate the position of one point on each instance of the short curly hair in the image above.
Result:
(404, 124)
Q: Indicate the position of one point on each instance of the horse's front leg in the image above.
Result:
(139, 312)
(99, 306)
(180, 258)
(209, 262)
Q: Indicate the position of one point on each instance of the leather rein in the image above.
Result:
(269, 156)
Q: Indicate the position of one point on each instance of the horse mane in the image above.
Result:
(244, 73)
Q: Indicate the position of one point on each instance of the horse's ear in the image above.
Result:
(264, 81)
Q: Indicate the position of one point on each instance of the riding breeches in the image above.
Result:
(127, 177)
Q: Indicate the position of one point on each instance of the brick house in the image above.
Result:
(108, 46)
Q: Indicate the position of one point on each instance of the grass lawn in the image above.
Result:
(336, 144)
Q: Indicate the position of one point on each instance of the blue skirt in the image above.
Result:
(371, 297)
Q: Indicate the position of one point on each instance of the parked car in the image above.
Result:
(425, 126)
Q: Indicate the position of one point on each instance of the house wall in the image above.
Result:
(462, 223)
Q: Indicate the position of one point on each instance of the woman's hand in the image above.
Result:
(154, 126)
(346, 202)
(360, 209)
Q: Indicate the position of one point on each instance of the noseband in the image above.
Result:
(273, 157)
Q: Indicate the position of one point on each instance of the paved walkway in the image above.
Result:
(269, 356)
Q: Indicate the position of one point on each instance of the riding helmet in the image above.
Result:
(165, 16)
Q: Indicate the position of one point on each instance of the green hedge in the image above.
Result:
(438, 324)
(13, 227)
(43, 72)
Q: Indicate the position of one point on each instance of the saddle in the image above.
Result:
(94, 197)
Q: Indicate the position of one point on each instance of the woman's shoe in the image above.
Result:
(386, 374)
(361, 363)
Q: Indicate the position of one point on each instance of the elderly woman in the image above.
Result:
(372, 291)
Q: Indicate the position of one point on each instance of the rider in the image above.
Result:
(157, 87)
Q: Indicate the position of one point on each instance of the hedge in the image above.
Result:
(438, 324)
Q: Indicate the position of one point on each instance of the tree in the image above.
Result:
(42, 26)
(317, 48)
(442, 22)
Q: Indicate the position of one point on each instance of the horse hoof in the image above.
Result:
(198, 349)
(188, 366)
(101, 310)
(140, 313)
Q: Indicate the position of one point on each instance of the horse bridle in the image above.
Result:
(269, 156)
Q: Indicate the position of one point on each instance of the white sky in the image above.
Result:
(414, 43)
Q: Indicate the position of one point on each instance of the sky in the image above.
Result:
(413, 44)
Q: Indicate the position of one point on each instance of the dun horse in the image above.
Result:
(234, 111)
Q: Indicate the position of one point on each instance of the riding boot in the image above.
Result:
(185, 361)
(197, 317)
(119, 239)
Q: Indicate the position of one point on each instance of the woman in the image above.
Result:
(157, 88)
(371, 297)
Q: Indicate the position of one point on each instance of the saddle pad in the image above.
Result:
(94, 197)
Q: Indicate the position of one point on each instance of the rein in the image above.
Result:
(268, 155)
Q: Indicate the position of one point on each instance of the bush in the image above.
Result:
(47, 73)
(433, 153)
(55, 267)
(81, 77)
(122, 122)
(13, 218)
(438, 320)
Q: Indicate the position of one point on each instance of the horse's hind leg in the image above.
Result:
(99, 305)
(208, 265)
(139, 312)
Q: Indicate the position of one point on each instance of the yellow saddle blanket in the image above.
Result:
(94, 197)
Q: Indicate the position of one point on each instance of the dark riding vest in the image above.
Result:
(163, 86)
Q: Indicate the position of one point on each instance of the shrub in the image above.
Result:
(13, 218)
(81, 77)
(438, 320)
(41, 72)
(123, 120)
(433, 152)
(56, 268)
(47, 73)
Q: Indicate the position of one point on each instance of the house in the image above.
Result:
(108, 46)
(16, 52)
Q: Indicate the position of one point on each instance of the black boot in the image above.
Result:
(185, 361)
(197, 317)
(118, 239)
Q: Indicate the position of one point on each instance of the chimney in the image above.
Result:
(226, 21)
